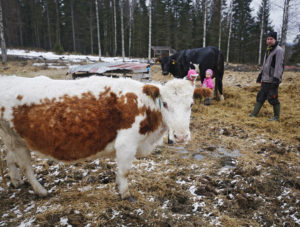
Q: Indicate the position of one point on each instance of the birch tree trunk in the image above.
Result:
(48, 26)
(220, 25)
(150, 31)
(91, 28)
(73, 26)
(122, 29)
(115, 26)
(98, 30)
(3, 44)
(204, 23)
(285, 23)
(229, 33)
(261, 31)
(130, 27)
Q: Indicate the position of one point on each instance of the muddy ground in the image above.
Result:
(235, 171)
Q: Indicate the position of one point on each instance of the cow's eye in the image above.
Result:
(192, 105)
(165, 105)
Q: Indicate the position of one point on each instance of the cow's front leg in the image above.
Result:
(124, 160)
(125, 153)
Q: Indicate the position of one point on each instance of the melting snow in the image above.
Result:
(27, 223)
(64, 221)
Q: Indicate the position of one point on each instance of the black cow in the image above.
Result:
(209, 57)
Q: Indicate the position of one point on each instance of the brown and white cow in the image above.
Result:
(80, 119)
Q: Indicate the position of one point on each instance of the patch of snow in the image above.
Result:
(52, 189)
(27, 223)
(197, 204)
(31, 206)
(64, 221)
(165, 205)
(67, 57)
(41, 209)
(151, 199)
(194, 166)
(296, 219)
(13, 196)
(84, 189)
(181, 182)
(115, 214)
(139, 211)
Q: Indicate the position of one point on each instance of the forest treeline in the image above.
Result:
(71, 25)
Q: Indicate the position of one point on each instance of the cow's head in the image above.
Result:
(166, 64)
(177, 100)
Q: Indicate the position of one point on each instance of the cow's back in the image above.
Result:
(69, 120)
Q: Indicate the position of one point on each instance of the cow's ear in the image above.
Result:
(173, 61)
(151, 91)
(202, 93)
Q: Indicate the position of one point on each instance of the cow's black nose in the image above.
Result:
(165, 73)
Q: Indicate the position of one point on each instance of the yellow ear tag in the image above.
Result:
(173, 62)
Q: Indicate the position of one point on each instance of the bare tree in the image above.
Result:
(220, 25)
(98, 30)
(229, 33)
(73, 26)
(285, 23)
(150, 30)
(204, 22)
(261, 30)
(3, 44)
(91, 27)
(130, 27)
(115, 26)
(122, 29)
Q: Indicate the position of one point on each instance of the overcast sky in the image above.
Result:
(276, 14)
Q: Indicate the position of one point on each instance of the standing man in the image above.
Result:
(270, 77)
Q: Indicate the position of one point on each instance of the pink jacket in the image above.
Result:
(208, 82)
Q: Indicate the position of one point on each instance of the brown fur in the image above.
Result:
(19, 97)
(75, 128)
(2, 111)
(151, 90)
(202, 92)
(151, 122)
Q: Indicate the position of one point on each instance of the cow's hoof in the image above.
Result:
(41, 192)
(17, 183)
(130, 199)
(170, 141)
(221, 98)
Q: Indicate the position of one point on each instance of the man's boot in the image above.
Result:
(256, 109)
(276, 109)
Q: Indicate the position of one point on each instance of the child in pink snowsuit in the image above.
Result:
(192, 74)
(208, 83)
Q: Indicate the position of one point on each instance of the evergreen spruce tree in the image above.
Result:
(242, 26)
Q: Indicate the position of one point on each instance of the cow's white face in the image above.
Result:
(177, 100)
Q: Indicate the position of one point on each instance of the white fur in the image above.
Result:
(176, 94)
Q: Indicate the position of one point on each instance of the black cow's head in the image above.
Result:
(167, 64)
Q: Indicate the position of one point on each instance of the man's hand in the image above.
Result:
(276, 80)
(258, 80)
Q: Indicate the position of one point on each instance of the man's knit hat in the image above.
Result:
(272, 34)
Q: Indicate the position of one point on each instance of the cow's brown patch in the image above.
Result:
(76, 127)
(202, 92)
(151, 122)
(2, 111)
(19, 97)
(151, 90)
